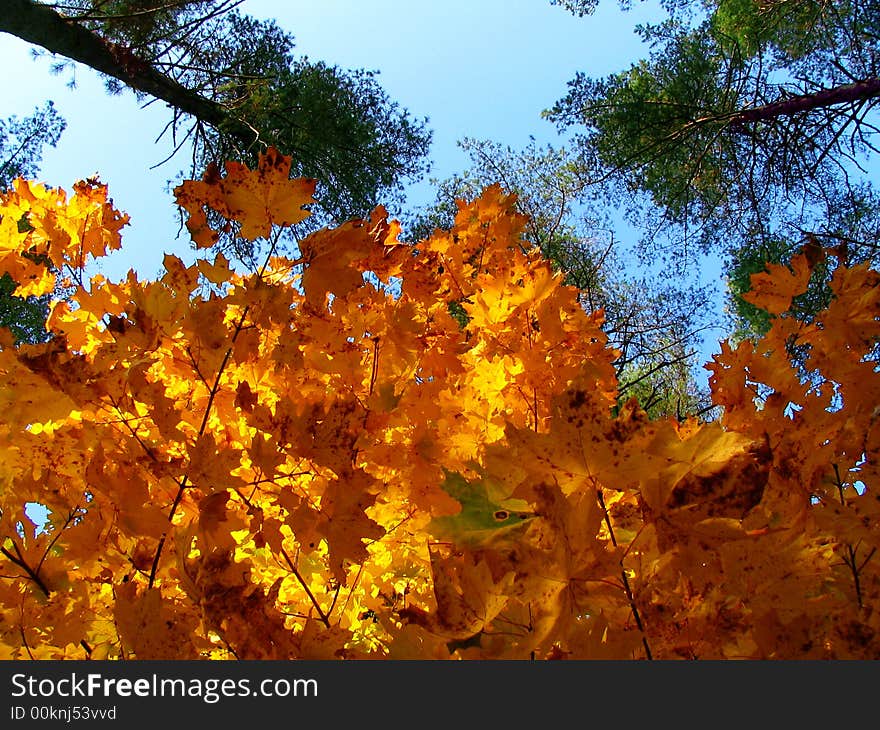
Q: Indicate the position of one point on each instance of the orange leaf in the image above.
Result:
(774, 289)
(150, 626)
(257, 199)
(347, 524)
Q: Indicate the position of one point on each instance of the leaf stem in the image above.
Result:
(204, 424)
(18, 559)
(626, 586)
(850, 561)
(321, 615)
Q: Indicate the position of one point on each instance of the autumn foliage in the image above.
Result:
(383, 449)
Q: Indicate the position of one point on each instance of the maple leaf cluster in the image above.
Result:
(382, 449)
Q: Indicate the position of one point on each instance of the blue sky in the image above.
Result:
(478, 68)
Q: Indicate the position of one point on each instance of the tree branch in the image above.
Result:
(847, 93)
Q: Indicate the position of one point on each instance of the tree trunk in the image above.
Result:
(42, 26)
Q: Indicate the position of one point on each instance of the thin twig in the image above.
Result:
(293, 569)
(851, 551)
(22, 563)
(626, 587)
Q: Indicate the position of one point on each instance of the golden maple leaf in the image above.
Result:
(257, 199)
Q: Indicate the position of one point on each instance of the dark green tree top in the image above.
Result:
(746, 131)
(22, 142)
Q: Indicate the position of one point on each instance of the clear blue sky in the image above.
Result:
(475, 68)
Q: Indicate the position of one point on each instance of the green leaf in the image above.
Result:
(487, 514)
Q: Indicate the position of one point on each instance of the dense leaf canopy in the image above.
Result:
(653, 322)
(317, 460)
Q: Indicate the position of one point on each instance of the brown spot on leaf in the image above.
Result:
(732, 491)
